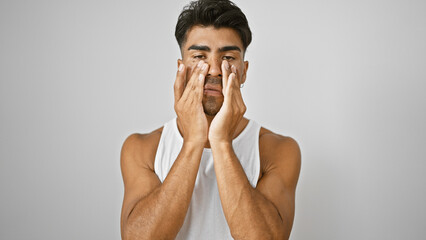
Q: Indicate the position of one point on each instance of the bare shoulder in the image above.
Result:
(137, 168)
(269, 140)
(142, 147)
(278, 152)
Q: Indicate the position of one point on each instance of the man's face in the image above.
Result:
(213, 45)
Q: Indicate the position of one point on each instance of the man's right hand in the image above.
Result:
(188, 103)
(150, 204)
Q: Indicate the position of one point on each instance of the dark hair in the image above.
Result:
(217, 13)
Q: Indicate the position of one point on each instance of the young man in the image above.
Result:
(210, 173)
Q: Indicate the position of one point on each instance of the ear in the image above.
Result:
(179, 62)
(243, 78)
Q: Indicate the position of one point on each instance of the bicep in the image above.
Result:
(282, 197)
(139, 180)
(278, 184)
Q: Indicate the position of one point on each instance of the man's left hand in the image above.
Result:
(225, 122)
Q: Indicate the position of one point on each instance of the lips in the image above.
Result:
(213, 89)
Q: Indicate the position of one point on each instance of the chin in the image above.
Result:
(211, 106)
(210, 112)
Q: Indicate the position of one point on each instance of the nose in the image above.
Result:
(215, 69)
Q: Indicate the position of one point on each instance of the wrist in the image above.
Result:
(193, 144)
(224, 144)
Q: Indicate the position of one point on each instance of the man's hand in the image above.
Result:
(188, 103)
(225, 122)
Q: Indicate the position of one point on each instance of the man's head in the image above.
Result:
(213, 31)
(216, 13)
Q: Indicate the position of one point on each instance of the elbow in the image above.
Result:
(128, 232)
(132, 229)
(132, 232)
(276, 233)
(127, 227)
(284, 233)
(266, 234)
(137, 230)
(281, 232)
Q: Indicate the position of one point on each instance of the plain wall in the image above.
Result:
(346, 79)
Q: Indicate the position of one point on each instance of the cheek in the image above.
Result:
(191, 62)
(240, 71)
(190, 67)
(188, 73)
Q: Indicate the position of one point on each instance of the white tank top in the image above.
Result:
(205, 218)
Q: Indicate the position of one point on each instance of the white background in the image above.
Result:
(346, 79)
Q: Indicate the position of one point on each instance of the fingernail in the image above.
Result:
(180, 67)
(204, 66)
(234, 70)
(201, 77)
(200, 63)
(226, 65)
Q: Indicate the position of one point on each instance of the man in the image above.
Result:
(210, 173)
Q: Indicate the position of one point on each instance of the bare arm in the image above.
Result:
(267, 211)
(264, 212)
(152, 210)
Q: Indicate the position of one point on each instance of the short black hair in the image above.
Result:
(217, 13)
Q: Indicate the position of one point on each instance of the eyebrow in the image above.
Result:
(222, 49)
(199, 47)
(229, 48)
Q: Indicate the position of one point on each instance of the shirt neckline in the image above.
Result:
(242, 133)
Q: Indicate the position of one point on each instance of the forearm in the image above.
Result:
(248, 213)
(161, 214)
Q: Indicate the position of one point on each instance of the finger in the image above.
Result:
(237, 89)
(225, 75)
(236, 86)
(234, 95)
(238, 99)
(204, 69)
(228, 93)
(179, 82)
(234, 70)
(201, 79)
(200, 86)
(196, 72)
(192, 82)
(236, 82)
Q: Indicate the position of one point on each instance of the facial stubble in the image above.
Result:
(212, 104)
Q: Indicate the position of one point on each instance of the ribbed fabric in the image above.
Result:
(205, 218)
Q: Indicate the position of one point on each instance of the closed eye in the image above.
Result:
(199, 56)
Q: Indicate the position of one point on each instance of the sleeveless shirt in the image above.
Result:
(205, 218)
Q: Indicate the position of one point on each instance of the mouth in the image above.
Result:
(213, 89)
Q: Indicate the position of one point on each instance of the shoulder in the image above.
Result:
(141, 148)
(274, 141)
(278, 152)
